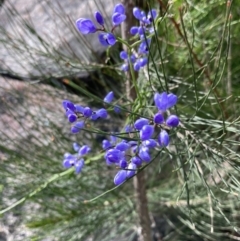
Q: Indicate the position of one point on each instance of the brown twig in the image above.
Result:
(139, 180)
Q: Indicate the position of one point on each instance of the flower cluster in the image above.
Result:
(145, 28)
(106, 38)
(130, 155)
(76, 112)
(76, 159)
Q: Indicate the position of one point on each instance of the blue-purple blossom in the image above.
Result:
(143, 61)
(125, 67)
(131, 169)
(113, 155)
(68, 105)
(123, 55)
(106, 144)
(123, 163)
(158, 118)
(87, 112)
(164, 101)
(136, 160)
(107, 39)
(102, 113)
(146, 132)
(69, 160)
(76, 147)
(140, 123)
(119, 8)
(79, 109)
(72, 117)
(99, 18)
(137, 13)
(77, 127)
(142, 17)
(163, 138)
(144, 154)
(134, 30)
(85, 149)
(79, 165)
(136, 66)
(75, 160)
(172, 121)
(151, 143)
(118, 14)
(120, 177)
(85, 26)
(109, 97)
(122, 146)
(144, 46)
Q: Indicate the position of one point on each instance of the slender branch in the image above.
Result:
(139, 179)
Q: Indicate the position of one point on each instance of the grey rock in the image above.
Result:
(39, 38)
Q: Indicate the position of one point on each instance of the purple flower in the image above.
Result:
(143, 61)
(140, 123)
(123, 163)
(152, 14)
(137, 161)
(76, 147)
(79, 165)
(150, 143)
(172, 100)
(107, 39)
(172, 121)
(72, 117)
(79, 109)
(68, 105)
(120, 177)
(69, 160)
(77, 127)
(84, 150)
(106, 144)
(137, 13)
(144, 46)
(132, 170)
(164, 101)
(141, 30)
(163, 138)
(134, 30)
(158, 118)
(102, 113)
(99, 18)
(161, 101)
(150, 17)
(118, 18)
(109, 97)
(87, 112)
(146, 132)
(64, 103)
(122, 146)
(119, 8)
(85, 26)
(118, 14)
(113, 155)
(144, 154)
(123, 55)
(125, 67)
(136, 66)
